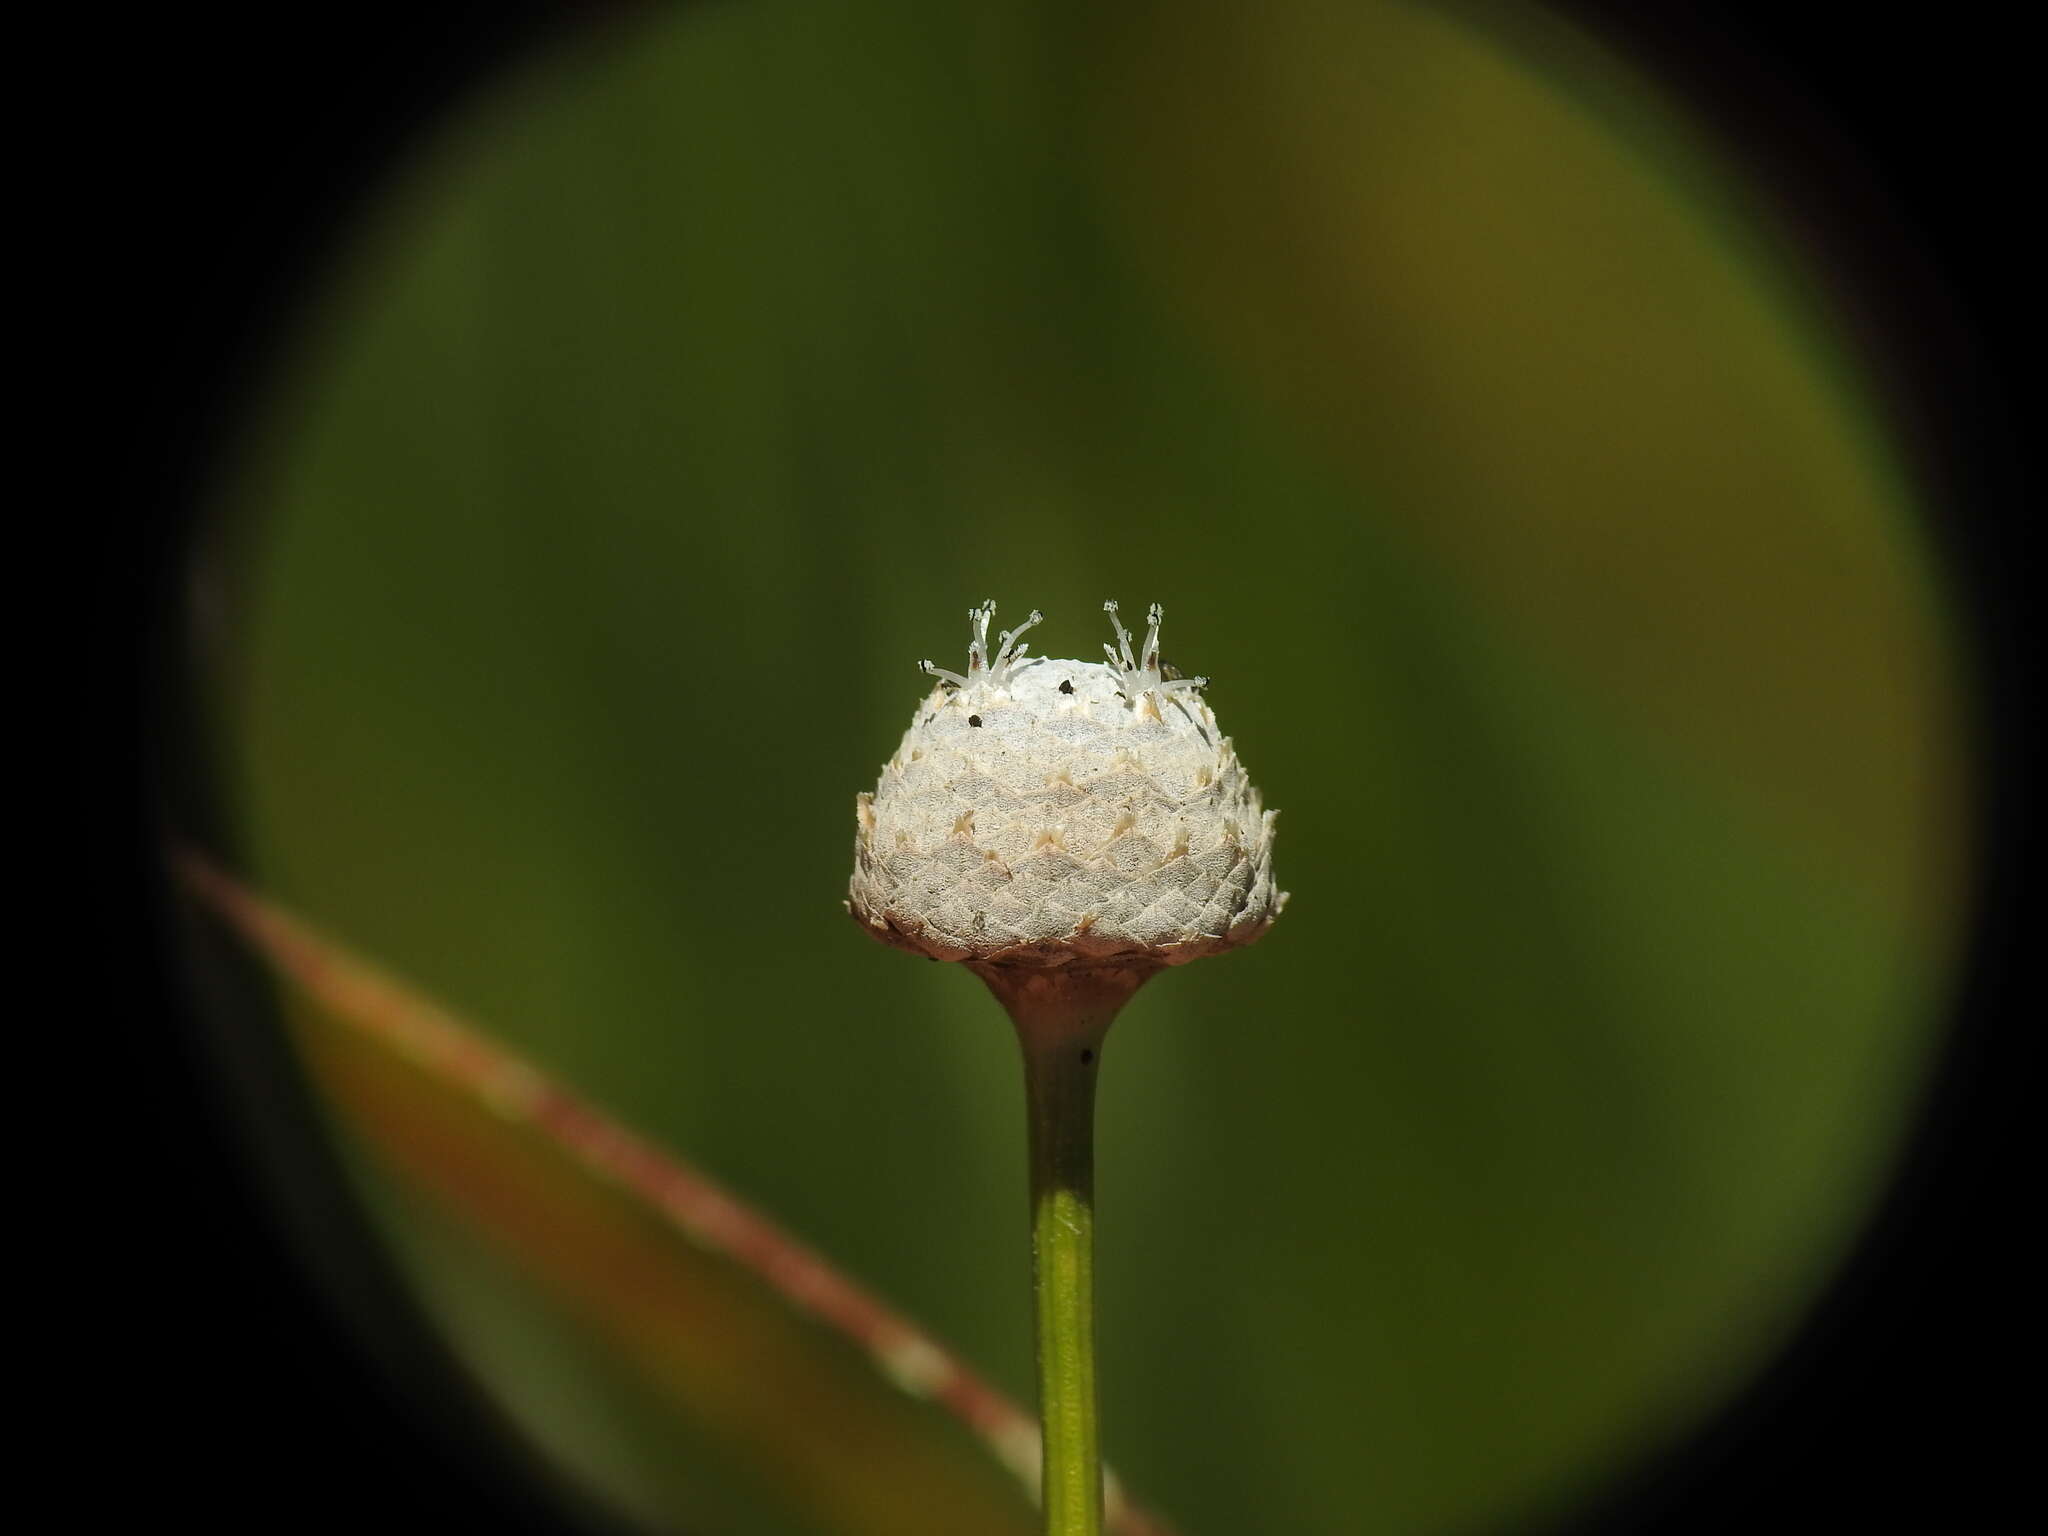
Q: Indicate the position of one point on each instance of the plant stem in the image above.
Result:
(1060, 1098)
(1062, 1016)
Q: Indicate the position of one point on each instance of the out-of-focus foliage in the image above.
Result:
(1554, 567)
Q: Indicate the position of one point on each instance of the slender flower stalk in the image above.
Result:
(1062, 1017)
(1067, 829)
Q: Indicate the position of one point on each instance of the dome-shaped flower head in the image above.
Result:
(1045, 813)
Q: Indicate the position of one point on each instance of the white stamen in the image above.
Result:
(996, 671)
(1135, 681)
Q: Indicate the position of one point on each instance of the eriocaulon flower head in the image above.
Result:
(1051, 813)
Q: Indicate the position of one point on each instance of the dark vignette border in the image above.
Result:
(1889, 148)
(1893, 146)
(268, 1367)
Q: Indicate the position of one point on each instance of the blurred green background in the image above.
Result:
(1487, 444)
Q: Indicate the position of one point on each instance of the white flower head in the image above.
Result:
(1048, 813)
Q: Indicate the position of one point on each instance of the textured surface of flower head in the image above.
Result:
(1052, 812)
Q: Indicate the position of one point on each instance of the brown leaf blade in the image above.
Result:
(818, 1388)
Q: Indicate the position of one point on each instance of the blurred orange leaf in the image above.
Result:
(712, 1303)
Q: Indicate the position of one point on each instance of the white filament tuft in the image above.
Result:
(995, 671)
(1139, 680)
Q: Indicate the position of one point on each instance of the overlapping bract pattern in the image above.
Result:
(1050, 819)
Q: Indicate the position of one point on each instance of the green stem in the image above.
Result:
(1059, 1088)
(1062, 1018)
